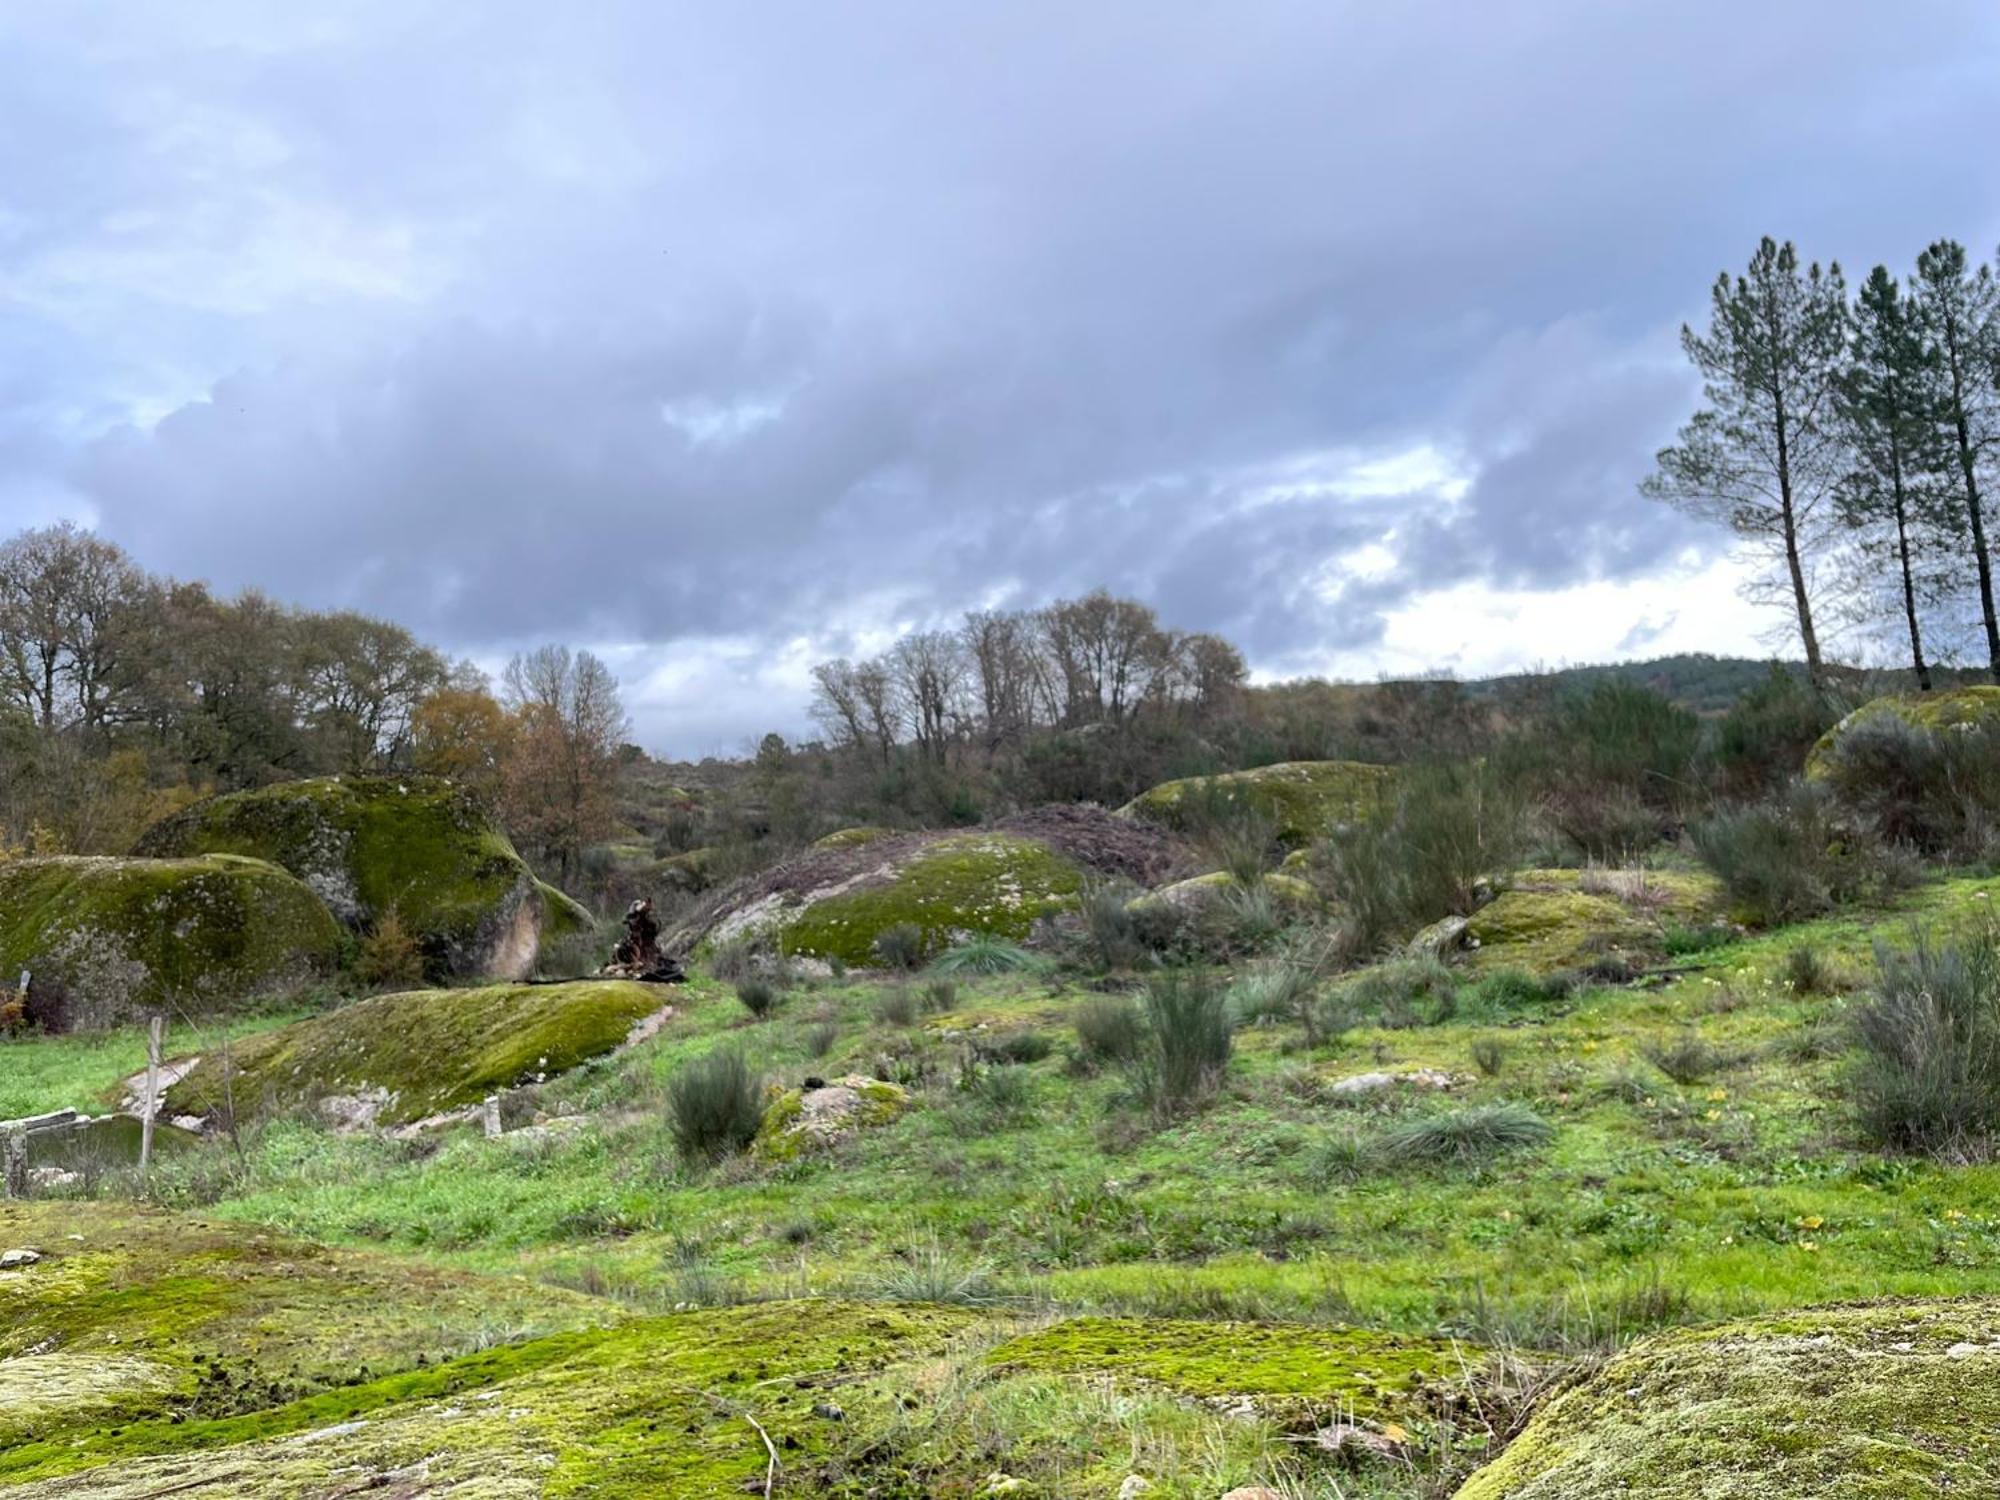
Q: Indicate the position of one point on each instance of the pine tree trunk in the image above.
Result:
(1982, 559)
(1807, 635)
(1909, 583)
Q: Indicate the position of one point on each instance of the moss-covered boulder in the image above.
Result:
(1548, 920)
(1874, 1402)
(395, 1059)
(418, 847)
(986, 883)
(801, 1120)
(1304, 799)
(1192, 896)
(108, 940)
(563, 915)
(1936, 712)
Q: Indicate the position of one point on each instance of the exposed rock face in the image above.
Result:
(109, 940)
(1884, 1399)
(1305, 799)
(396, 1059)
(1548, 920)
(1190, 897)
(1958, 710)
(815, 1118)
(372, 845)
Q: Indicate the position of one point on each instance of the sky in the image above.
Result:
(726, 338)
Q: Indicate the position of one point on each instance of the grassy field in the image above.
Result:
(1040, 1189)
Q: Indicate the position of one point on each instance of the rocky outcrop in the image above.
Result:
(110, 940)
(1959, 710)
(418, 847)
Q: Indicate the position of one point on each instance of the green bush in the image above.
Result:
(1513, 989)
(1928, 1077)
(1464, 1136)
(1019, 1047)
(1345, 1156)
(900, 946)
(1187, 1040)
(714, 1106)
(897, 1006)
(1404, 992)
(758, 996)
(1686, 1058)
(1788, 858)
(1760, 743)
(389, 957)
(1109, 1029)
(1233, 833)
(1936, 790)
(1489, 1055)
(1807, 971)
(940, 995)
(1111, 931)
(1424, 855)
(820, 1038)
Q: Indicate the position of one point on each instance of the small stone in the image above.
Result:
(1003, 1484)
(829, 1411)
(1133, 1486)
(18, 1259)
(1254, 1492)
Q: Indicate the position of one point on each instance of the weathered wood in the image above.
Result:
(151, 1104)
(14, 1164)
(55, 1119)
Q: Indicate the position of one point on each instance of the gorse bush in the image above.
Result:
(714, 1106)
(388, 956)
(1423, 855)
(1109, 1029)
(1187, 1040)
(1935, 790)
(1807, 971)
(1760, 743)
(758, 996)
(1685, 1058)
(1111, 932)
(900, 946)
(1928, 1074)
(1788, 858)
(1464, 1136)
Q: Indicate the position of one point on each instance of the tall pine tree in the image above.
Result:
(1764, 454)
(1960, 310)
(1891, 495)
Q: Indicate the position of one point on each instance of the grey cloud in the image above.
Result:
(670, 324)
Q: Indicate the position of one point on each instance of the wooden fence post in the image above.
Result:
(152, 1100)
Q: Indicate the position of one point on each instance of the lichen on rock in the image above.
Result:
(1305, 799)
(109, 940)
(418, 847)
(1866, 1402)
(397, 1059)
(799, 1120)
(1952, 709)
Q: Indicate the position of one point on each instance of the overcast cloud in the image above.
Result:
(727, 337)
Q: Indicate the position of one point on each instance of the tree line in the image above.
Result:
(1854, 441)
(124, 695)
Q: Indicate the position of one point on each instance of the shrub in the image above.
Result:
(733, 962)
(1020, 1047)
(1759, 744)
(1279, 991)
(1686, 1059)
(1928, 1077)
(1187, 1040)
(1341, 1157)
(1233, 833)
(1404, 992)
(1489, 1055)
(1935, 790)
(1787, 859)
(1808, 972)
(820, 1038)
(1109, 1030)
(1110, 929)
(389, 956)
(714, 1106)
(1424, 854)
(984, 955)
(1513, 989)
(1464, 1136)
(897, 1007)
(940, 995)
(758, 996)
(900, 946)
(932, 1273)
(1684, 942)
(1002, 1090)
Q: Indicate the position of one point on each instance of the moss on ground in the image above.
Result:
(667, 1406)
(418, 847)
(428, 1050)
(109, 940)
(1874, 1402)
(1306, 799)
(1934, 711)
(985, 883)
(1288, 1370)
(1191, 895)
(135, 1316)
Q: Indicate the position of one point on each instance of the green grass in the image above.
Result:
(1653, 1202)
(81, 1071)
